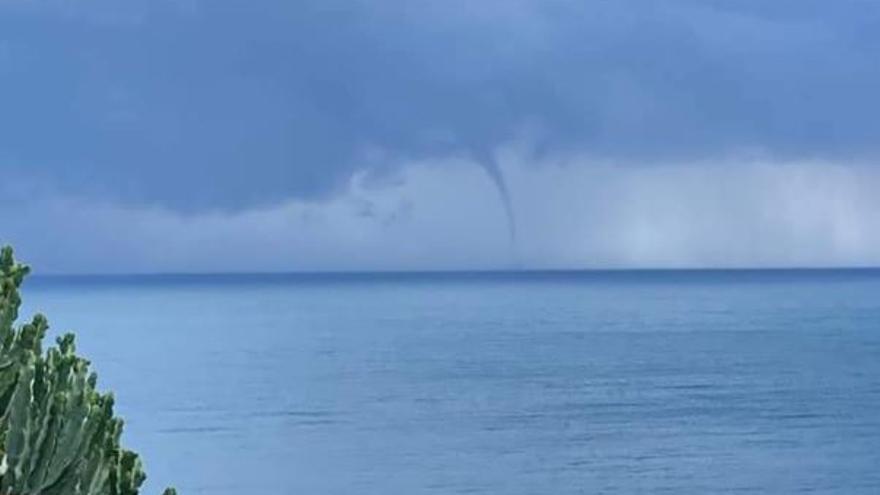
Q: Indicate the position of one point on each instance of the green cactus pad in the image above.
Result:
(58, 433)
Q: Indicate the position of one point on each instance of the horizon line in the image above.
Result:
(456, 271)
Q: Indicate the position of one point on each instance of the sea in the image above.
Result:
(506, 383)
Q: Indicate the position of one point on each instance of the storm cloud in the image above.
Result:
(301, 125)
(226, 105)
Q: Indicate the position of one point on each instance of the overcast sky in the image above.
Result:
(188, 135)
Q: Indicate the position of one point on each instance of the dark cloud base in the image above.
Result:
(228, 105)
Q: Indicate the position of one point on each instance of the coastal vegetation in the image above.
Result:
(58, 433)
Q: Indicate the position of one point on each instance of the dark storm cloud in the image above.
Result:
(228, 105)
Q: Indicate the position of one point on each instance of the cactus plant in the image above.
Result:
(58, 434)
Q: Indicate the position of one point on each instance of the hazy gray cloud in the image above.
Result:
(583, 214)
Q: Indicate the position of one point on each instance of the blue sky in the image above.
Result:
(312, 135)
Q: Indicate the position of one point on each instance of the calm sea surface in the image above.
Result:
(543, 383)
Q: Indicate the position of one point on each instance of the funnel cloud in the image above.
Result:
(488, 162)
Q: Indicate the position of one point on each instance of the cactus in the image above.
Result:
(58, 434)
